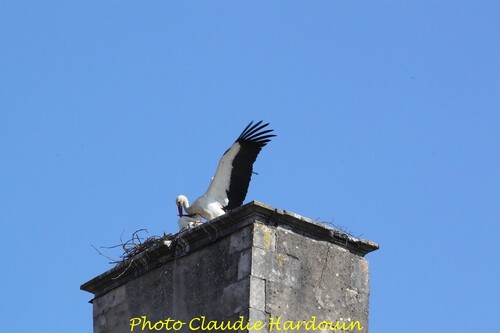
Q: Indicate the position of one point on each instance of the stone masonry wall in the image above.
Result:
(257, 262)
(296, 277)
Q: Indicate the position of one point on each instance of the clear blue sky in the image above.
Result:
(388, 123)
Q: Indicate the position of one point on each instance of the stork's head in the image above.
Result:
(181, 201)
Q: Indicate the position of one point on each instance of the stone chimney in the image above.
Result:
(255, 269)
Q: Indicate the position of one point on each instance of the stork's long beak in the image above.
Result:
(179, 207)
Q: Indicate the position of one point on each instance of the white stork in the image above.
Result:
(229, 186)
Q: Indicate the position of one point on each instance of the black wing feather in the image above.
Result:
(251, 141)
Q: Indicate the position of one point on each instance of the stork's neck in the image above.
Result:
(183, 200)
(185, 204)
(182, 204)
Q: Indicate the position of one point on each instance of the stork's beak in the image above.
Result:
(179, 207)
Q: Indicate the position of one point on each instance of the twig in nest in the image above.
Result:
(133, 247)
(113, 261)
(339, 228)
(125, 270)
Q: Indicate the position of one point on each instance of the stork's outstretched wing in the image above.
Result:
(230, 184)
